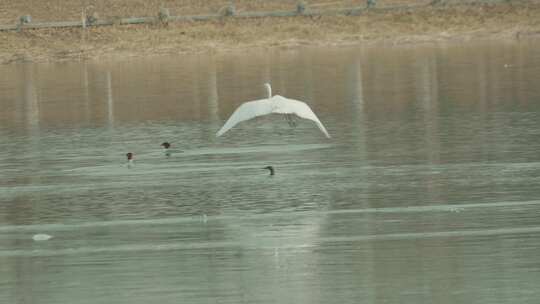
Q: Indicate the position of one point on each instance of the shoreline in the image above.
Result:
(423, 25)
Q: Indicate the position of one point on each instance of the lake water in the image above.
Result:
(427, 192)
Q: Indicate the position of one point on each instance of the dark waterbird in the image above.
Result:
(166, 146)
(129, 157)
(270, 168)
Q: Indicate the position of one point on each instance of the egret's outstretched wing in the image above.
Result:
(284, 105)
(246, 111)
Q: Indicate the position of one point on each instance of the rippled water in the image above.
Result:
(427, 192)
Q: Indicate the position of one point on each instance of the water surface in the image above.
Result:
(427, 192)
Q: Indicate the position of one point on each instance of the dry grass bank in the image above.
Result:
(427, 24)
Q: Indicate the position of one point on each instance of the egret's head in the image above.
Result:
(270, 168)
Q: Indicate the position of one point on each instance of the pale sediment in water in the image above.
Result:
(41, 237)
(429, 24)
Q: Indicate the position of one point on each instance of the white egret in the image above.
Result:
(273, 104)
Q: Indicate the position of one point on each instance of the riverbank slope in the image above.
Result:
(425, 24)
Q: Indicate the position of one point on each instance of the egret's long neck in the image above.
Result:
(268, 90)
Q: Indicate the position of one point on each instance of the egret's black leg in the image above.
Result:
(290, 120)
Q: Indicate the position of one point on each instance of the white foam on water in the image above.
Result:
(41, 237)
(231, 244)
(450, 208)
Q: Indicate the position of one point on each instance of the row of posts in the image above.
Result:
(230, 10)
(90, 18)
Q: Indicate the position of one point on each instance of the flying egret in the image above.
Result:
(273, 104)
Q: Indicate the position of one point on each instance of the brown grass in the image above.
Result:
(427, 24)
